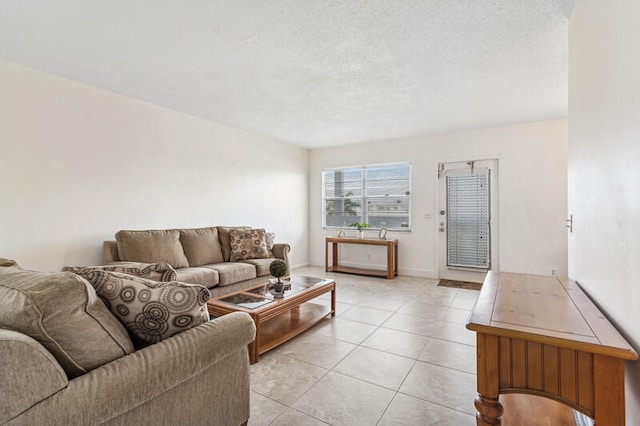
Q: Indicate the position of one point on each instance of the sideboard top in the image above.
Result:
(546, 309)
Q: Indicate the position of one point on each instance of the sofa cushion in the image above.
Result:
(261, 265)
(152, 311)
(151, 247)
(201, 246)
(151, 271)
(233, 272)
(248, 244)
(223, 237)
(205, 276)
(63, 313)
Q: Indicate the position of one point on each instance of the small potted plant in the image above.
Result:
(278, 268)
(361, 227)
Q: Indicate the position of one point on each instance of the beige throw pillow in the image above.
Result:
(152, 271)
(201, 246)
(61, 311)
(152, 247)
(152, 311)
(248, 244)
(270, 240)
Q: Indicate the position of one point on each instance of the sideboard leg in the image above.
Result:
(488, 406)
(489, 410)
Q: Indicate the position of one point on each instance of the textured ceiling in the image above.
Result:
(313, 73)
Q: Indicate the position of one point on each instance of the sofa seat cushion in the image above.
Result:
(152, 247)
(151, 271)
(201, 246)
(62, 311)
(206, 276)
(233, 272)
(248, 244)
(150, 310)
(261, 265)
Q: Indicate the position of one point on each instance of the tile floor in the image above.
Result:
(397, 353)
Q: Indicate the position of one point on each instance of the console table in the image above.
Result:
(392, 256)
(542, 335)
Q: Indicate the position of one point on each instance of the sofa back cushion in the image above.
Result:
(63, 313)
(152, 247)
(223, 236)
(248, 244)
(151, 311)
(201, 246)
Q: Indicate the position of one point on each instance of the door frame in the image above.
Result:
(464, 274)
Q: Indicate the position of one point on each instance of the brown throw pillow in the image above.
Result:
(152, 247)
(61, 311)
(248, 244)
(152, 271)
(152, 311)
(223, 237)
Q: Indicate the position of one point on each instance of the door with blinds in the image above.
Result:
(467, 222)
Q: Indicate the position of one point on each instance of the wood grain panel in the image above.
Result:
(585, 381)
(519, 363)
(551, 374)
(534, 366)
(538, 302)
(504, 356)
(568, 373)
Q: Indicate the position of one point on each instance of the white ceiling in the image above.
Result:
(313, 73)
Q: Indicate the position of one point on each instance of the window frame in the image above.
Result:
(364, 198)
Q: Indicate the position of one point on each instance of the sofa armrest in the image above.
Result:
(28, 374)
(124, 385)
(281, 251)
(110, 251)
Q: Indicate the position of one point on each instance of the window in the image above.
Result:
(379, 195)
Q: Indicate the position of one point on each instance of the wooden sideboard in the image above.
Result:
(542, 335)
(392, 256)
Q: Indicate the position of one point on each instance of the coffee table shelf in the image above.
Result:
(284, 327)
(279, 320)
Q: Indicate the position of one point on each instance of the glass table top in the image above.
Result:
(264, 294)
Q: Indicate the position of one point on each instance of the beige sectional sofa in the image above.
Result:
(67, 360)
(224, 259)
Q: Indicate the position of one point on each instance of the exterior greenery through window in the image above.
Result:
(379, 195)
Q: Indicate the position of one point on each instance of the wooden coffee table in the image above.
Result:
(278, 320)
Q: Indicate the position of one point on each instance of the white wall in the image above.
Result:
(532, 194)
(77, 164)
(603, 163)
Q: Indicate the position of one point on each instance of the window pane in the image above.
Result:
(388, 212)
(386, 181)
(343, 212)
(343, 183)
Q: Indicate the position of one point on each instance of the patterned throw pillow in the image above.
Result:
(248, 244)
(152, 271)
(151, 311)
